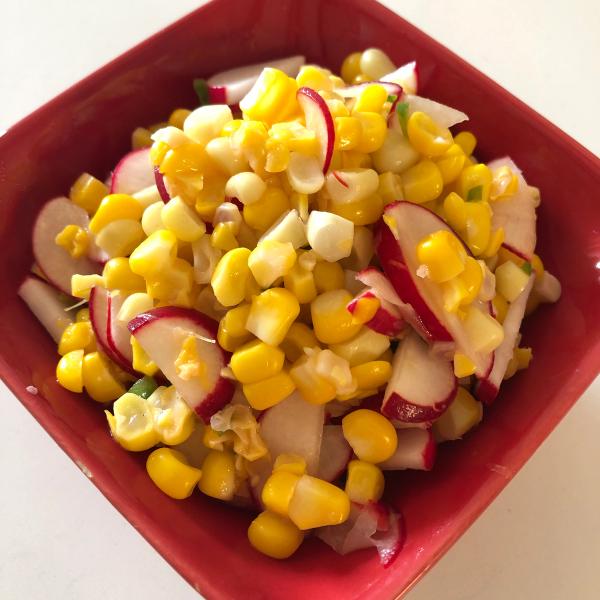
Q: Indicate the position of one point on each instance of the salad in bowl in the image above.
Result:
(280, 296)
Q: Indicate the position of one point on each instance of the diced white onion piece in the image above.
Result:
(329, 235)
(288, 228)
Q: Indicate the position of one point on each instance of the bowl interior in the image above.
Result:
(87, 129)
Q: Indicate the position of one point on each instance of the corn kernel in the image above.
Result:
(218, 475)
(494, 244)
(443, 255)
(270, 260)
(451, 163)
(538, 266)
(352, 159)
(151, 218)
(182, 220)
(271, 315)
(332, 322)
(262, 214)
(474, 183)
(505, 183)
(314, 77)
(74, 240)
(77, 336)
(98, 380)
(511, 280)
(141, 362)
(462, 415)
(171, 473)
(83, 315)
(467, 141)
(178, 116)
(365, 308)
(87, 192)
(158, 150)
(274, 535)
(364, 212)
(374, 130)
(174, 285)
(390, 187)
(118, 275)
(173, 419)
(372, 437)
(69, 371)
(426, 136)
(372, 374)
(230, 277)
(364, 483)
(374, 63)
(141, 138)
(299, 336)
(328, 276)
(256, 361)
(371, 99)
(81, 285)
(463, 365)
(422, 183)
(455, 211)
(317, 503)
(155, 254)
(272, 98)
(479, 222)
(301, 283)
(267, 392)
(278, 491)
(113, 207)
(313, 387)
(132, 426)
(483, 331)
(348, 133)
(291, 463)
(351, 67)
(120, 237)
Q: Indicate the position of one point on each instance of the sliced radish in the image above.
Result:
(335, 453)
(133, 173)
(294, 427)
(422, 384)
(352, 91)
(487, 388)
(57, 265)
(516, 214)
(318, 119)
(161, 185)
(229, 87)
(406, 76)
(47, 304)
(405, 225)
(373, 524)
(162, 331)
(118, 336)
(416, 450)
(388, 318)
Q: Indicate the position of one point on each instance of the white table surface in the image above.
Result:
(540, 539)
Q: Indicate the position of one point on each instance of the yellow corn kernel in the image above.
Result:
(132, 426)
(523, 356)
(500, 306)
(371, 99)
(494, 244)
(141, 361)
(158, 150)
(272, 98)
(278, 157)
(98, 380)
(151, 220)
(484, 332)
(422, 182)
(479, 224)
(462, 415)
(313, 387)
(291, 463)
(74, 240)
(454, 293)
(262, 214)
(170, 471)
(299, 336)
(81, 285)
(120, 237)
(362, 212)
(455, 211)
(173, 419)
(267, 392)
(218, 475)
(252, 289)
(278, 491)
(82, 315)
(373, 131)
(348, 132)
(390, 187)
(230, 277)
(235, 319)
(115, 207)
(314, 77)
(182, 220)
(443, 254)
(141, 138)
(505, 183)
(426, 136)
(231, 127)
(301, 283)
(365, 308)
(187, 162)
(271, 315)
(270, 260)
(337, 107)
(463, 365)
(174, 285)
(451, 163)
(69, 371)
(210, 198)
(77, 336)
(351, 67)
(317, 503)
(223, 236)
(227, 341)
(87, 192)
(156, 126)
(328, 276)
(256, 361)
(178, 116)
(118, 275)
(217, 440)
(274, 535)
(155, 254)
(472, 279)
(505, 255)
(364, 483)
(538, 266)
(474, 183)
(372, 374)
(353, 159)
(467, 141)
(331, 320)
(511, 280)
(372, 437)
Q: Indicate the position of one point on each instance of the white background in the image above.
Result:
(540, 539)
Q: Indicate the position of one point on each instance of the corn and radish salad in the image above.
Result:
(305, 282)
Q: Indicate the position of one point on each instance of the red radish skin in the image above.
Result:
(335, 453)
(416, 450)
(487, 388)
(159, 179)
(133, 173)
(47, 304)
(422, 384)
(161, 332)
(55, 263)
(118, 336)
(407, 76)
(387, 320)
(318, 119)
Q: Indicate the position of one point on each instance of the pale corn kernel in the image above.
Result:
(120, 237)
(115, 207)
(81, 285)
(264, 213)
(151, 218)
(271, 315)
(182, 220)
(87, 192)
(305, 173)
(207, 122)
(230, 277)
(270, 260)
(134, 305)
(75, 240)
(247, 187)
(223, 237)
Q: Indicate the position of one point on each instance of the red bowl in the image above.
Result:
(87, 128)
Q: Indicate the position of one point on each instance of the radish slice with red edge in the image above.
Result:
(335, 453)
(416, 450)
(487, 388)
(162, 331)
(57, 265)
(374, 524)
(133, 173)
(387, 319)
(118, 336)
(161, 185)
(47, 304)
(407, 76)
(318, 119)
(352, 91)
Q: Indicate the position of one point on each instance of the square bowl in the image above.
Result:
(87, 128)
